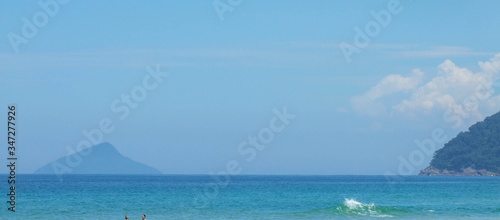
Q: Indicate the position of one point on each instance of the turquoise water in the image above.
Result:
(253, 197)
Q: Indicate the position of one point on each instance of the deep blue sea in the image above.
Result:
(252, 197)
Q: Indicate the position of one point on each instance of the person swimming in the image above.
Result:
(126, 217)
(143, 216)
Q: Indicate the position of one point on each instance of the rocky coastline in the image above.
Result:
(432, 171)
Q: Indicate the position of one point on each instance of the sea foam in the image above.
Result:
(353, 207)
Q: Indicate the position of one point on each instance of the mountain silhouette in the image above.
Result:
(102, 159)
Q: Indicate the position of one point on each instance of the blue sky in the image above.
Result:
(430, 67)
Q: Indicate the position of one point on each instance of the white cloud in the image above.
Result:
(491, 67)
(369, 102)
(453, 89)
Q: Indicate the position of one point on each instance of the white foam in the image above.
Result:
(353, 204)
(359, 208)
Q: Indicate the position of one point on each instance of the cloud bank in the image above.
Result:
(452, 90)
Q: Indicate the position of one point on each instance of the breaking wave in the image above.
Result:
(352, 207)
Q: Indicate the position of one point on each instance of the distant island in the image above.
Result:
(475, 152)
(102, 159)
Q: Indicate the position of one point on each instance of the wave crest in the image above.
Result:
(353, 207)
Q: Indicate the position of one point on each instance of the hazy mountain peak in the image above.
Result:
(99, 159)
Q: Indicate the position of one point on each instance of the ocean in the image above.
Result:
(252, 197)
